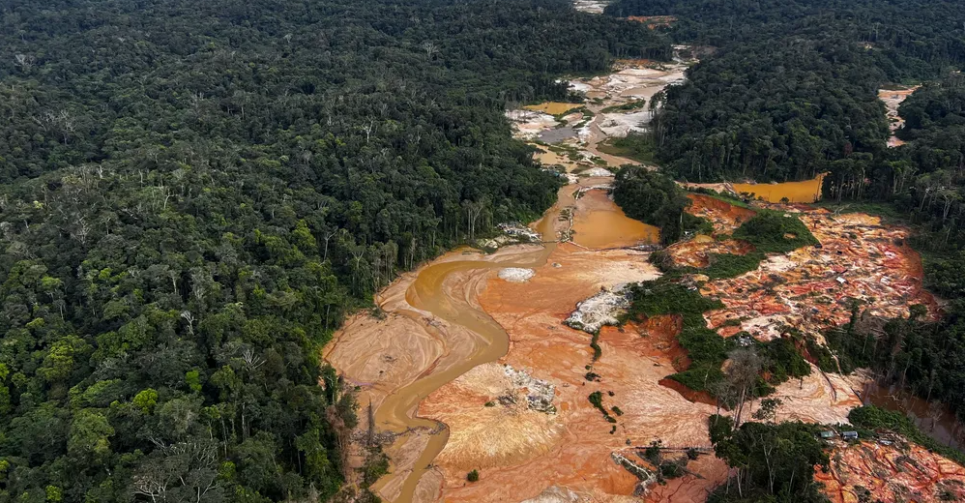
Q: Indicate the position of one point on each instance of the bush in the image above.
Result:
(473, 476)
(774, 232)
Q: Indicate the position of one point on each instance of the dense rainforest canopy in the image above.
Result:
(787, 90)
(790, 90)
(195, 193)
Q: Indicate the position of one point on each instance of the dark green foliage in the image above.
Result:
(639, 147)
(774, 462)
(726, 265)
(784, 361)
(596, 398)
(927, 358)
(705, 348)
(721, 427)
(671, 470)
(655, 199)
(790, 92)
(626, 107)
(652, 452)
(823, 356)
(872, 418)
(473, 476)
(196, 193)
(775, 232)
(767, 410)
(376, 465)
(616, 410)
(595, 344)
(769, 231)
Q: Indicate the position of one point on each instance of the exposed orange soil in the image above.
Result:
(696, 252)
(577, 453)
(653, 22)
(687, 393)
(724, 216)
(691, 489)
(892, 99)
(812, 288)
(890, 474)
(658, 338)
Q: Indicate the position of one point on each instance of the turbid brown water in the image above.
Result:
(607, 226)
(807, 191)
(397, 412)
(604, 226)
(934, 419)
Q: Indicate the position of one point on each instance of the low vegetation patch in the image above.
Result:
(705, 347)
(626, 107)
(596, 398)
(769, 231)
(640, 148)
(774, 232)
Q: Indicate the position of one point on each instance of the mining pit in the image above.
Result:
(483, 361)
(892, 98)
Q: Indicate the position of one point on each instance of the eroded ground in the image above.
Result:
(572, 140)
(899, 472)
(813, 288)
(469, 365)
(892, 99)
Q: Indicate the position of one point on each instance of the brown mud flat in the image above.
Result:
(900, 472)
(631, 367)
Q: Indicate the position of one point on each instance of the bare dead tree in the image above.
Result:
(24, 61)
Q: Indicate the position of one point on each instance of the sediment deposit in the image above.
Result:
(892, 99)
(892, 473)
(469, 364)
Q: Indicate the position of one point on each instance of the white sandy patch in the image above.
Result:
(516, 274)
(600, 309)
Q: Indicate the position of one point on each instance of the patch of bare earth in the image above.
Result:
(520, 453)
(894, 473)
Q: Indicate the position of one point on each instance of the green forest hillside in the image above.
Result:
(195, 194)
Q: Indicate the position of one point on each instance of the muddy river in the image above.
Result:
(441, 369)
(427, 294)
